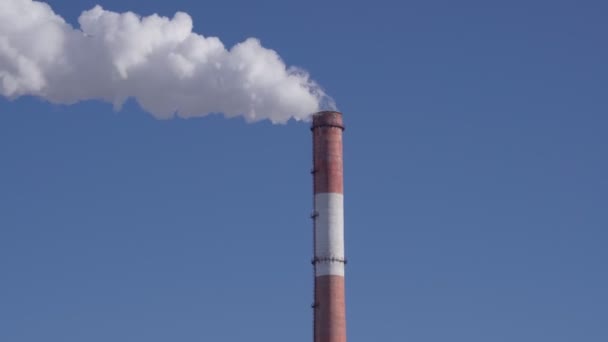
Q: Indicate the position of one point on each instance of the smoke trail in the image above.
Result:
(158, 61)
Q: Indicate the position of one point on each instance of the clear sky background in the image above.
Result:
(476, 184)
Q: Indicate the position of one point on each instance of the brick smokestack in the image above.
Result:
(328, 233)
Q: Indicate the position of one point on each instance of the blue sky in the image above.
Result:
(476, 185)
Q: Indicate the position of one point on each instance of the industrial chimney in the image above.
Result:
(328, 228)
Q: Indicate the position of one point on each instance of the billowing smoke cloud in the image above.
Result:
(158, 61)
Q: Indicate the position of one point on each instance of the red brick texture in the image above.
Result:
(330, 310)
(327, 152)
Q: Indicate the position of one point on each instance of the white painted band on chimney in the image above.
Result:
(329, 234)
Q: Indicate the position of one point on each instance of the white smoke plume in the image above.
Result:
(158, 61)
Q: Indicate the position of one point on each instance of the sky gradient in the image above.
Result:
(476, 186)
